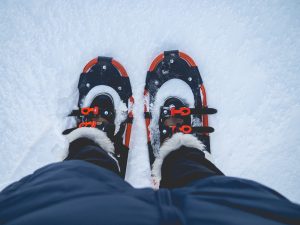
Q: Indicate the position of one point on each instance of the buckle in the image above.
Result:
(183, 111)
(88, 124)
(87, 110)
(186, 129)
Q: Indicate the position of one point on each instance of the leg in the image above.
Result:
(182, 160)
(85, 188)
(202, 192)
(184, 166)
(87, 150)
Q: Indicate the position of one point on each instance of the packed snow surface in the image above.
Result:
(247, 52)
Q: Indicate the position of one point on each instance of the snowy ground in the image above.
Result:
(248, 54)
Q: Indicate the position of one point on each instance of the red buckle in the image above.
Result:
(186, 129)
(88, 124)
(183, 111)
(87, 110)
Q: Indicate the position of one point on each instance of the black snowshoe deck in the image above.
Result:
(109, 72)
(177, 65)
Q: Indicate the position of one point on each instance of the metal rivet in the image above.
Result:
(190, 79)
(87, 85)
(119, 88)
(106, 113)
(104, 67)
(164, 131)
(156, 82)
(165, 111)
(171, 60)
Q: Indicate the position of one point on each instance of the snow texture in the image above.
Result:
(247, 52)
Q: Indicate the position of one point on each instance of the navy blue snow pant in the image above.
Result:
(86, 189)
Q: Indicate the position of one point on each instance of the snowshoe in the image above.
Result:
(105, 102)
(175, 101)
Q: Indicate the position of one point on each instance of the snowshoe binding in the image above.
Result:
(175, 101)
(105, 102)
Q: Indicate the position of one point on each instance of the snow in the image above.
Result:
(247, 53)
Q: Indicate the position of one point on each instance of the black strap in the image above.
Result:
(166, 111)
(188, 129)
(202, 129)
(204, 110)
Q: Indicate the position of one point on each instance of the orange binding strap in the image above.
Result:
(147, 120)
(114, 62)
(155, 62)
(128, 134)
(120, 68)
(183, 111)
(186, 129)
(88, 124)
(87, 110)
(131, 99)
(204, 102)
(90, 64)
(187, 58)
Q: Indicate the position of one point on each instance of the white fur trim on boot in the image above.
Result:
(170, 145)
(93, 134)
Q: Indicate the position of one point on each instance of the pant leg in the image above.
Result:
(184, 166)
(87, 150)
(85, 188)
(205, 196)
